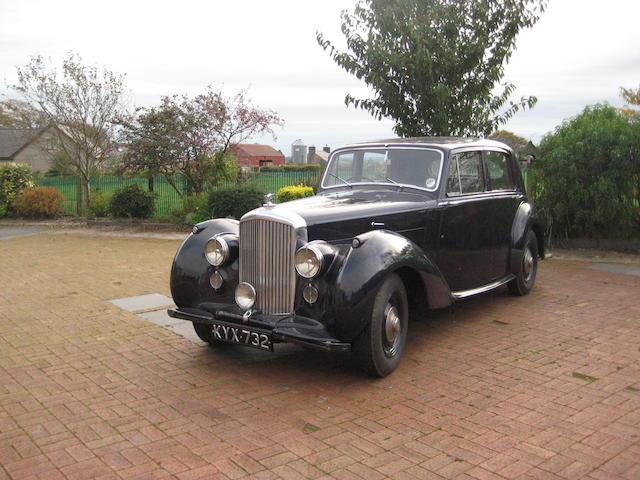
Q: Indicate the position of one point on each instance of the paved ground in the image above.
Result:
(546, 386)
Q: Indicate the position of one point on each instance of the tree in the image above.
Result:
(20, 114)
(190, 137)
(630, 95)
(517, 143)
(434, 65)
(590, 174)
(81, 103)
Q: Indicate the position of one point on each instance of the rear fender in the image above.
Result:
(526, 219)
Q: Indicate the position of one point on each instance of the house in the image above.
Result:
(32, 146)
(320, 157)
(255, 155)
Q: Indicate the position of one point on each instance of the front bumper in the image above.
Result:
(292, 329)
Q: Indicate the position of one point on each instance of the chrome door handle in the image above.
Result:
(377, 224)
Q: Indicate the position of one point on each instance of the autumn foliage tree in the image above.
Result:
(435, 66)
(190, 137)
(81, 103)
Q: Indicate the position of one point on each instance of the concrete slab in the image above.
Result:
(140, 303)
(12, 232)
(616, 268)
(181, 327)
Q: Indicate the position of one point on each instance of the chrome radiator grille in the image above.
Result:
(267, 254)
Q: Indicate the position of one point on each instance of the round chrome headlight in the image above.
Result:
(308, 261)
(245, 296)
(216, 251)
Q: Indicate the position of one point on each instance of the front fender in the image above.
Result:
(364, 269)
(190, 271)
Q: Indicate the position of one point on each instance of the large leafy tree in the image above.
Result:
(82, 103)
(590, 174)
(435, 66)
(190, 137)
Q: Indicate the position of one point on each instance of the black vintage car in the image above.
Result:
(397, 226)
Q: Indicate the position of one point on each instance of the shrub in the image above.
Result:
(234, 201)
(99, 203)
(39, 202)
(286, 194)
(194, 209)
(589, 174)
(132, 202)
(14, 178)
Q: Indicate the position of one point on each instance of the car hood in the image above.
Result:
(354, 204)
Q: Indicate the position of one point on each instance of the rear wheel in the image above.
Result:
(526, 275)
(380, 346)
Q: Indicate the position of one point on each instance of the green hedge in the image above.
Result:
(234, 201)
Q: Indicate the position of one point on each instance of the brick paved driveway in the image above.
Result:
(546, 386)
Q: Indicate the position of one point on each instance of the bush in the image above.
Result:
(286, 194)
(589, 175)
(194, 209)
(14, 178)
(132, 202)
(39, 202)
(234, 201)
(99, 203)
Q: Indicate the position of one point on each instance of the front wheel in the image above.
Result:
(380, 346)
(526, 275)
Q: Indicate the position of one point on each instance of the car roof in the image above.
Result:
(447, 143)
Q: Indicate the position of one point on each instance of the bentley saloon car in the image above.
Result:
(397, 226)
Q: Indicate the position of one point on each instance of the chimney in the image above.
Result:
(312, 154)
(326, 149)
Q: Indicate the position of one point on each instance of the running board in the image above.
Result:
(483, 289)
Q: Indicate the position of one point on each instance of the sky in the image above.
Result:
(579, 53)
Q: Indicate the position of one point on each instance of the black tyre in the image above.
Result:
(526, 275)
(380, 346)
(204, 332)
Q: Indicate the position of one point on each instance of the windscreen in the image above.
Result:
(404, 166)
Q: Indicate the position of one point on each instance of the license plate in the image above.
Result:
(242, 336)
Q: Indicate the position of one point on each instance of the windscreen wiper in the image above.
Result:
(341, 179)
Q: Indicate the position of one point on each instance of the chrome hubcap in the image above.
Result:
(391, 329)
(527, 264)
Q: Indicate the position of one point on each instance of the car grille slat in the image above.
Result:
(267, 251)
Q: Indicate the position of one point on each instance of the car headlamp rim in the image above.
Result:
(221, 251)
(318, 256)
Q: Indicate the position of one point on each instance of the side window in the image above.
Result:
(470, 172)
(499, 173)
(453, 178)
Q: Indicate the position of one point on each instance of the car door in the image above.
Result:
(505, 199)
(465, 253)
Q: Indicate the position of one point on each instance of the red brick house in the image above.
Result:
(254, 155)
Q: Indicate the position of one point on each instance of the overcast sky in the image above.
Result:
(579, 53)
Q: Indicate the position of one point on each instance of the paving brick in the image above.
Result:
(491, 391)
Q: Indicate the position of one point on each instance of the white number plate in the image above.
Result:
(242, 336)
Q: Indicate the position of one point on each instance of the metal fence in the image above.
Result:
(167, 199)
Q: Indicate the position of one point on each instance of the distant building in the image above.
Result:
(298, 152)
(320, 157)
(32, 146)
(254, 155)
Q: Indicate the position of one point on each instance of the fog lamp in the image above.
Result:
(245, 296)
